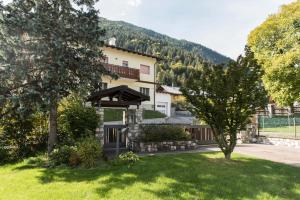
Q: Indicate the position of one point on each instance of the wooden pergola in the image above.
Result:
(120, 96)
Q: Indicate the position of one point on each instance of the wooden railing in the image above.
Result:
(125, 72)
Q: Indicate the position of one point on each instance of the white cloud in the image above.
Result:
(134, 3)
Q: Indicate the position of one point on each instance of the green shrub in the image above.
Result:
(74, 159)
(75, 120)
(89, 151)
(128, 157)
(4, 155)
(61, 155)
(25, 133)
(159, 133)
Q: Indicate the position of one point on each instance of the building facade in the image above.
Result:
(136, 70)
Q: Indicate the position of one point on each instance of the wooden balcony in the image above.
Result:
(125, 72)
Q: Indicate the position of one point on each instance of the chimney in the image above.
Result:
(112, 41)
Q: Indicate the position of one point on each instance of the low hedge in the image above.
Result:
(160, 133)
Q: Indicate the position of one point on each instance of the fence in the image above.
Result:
(201, 133)
(284, 126)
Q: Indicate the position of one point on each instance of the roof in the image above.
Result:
(124, 96)
(134, 52)
(169, 90)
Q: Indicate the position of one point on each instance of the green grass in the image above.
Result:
(178, 176)
(151, 114)
(117, 114)
(281, 131)
(113, 114)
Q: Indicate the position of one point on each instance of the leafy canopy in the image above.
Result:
(225, 97)
(276, 46)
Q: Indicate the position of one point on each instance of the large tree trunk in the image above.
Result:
(52, 139)
(228, 155)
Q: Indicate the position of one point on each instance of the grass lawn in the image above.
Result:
(281, 131)
(117, 114)
(180, 176)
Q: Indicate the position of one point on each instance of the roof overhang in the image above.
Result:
(120, 96)
(134, 52)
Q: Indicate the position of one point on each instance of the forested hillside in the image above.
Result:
(178, 55)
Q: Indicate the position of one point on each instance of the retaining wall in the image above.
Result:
(150, 147)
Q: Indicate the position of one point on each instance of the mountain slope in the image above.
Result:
(178, 55)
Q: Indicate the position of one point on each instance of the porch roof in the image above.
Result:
(120, 96)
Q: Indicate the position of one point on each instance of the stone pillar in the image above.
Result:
(134, 125)
(100, 129)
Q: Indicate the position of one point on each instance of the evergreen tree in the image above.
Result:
(48, 49)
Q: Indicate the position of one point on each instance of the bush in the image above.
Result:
(159, 133)
(4, 155)
(24, 133)
(62, 156)
(75, 120)
(128, 157)
(89, 151)
(74, 159)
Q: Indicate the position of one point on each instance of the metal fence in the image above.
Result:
(285, 126)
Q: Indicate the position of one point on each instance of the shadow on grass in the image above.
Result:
(190, 176)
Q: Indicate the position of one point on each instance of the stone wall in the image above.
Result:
(100, 128)
(280, 141)
(150, 147)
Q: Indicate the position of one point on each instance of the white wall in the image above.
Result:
(163, 98)
(116, 57)
(131, 83)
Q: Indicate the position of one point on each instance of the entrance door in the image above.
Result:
(110, 136)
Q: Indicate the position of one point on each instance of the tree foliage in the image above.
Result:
(75, 119)
(48, 48)
(276, 46)
(225, 97)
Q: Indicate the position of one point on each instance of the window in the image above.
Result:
(125, 63)
(145, 91)
(104, 59)
(104, 86)
(144, 69)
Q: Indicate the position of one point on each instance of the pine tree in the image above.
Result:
(48, 49)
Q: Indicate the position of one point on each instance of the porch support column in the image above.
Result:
(100, 129)
(134, 134)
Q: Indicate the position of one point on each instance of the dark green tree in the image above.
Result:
(225, 97)
(48, 49)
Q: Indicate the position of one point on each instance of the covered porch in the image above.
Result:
(117, 137)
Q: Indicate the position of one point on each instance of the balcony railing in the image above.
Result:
(125, 72)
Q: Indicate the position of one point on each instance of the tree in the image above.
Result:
(276, 46)
(48, 49)
(225, 97)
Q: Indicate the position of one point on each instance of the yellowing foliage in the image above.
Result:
(276, 46)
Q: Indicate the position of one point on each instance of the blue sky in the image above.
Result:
(222, 25)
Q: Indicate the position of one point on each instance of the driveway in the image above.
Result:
(287, 155)
(281, 154)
